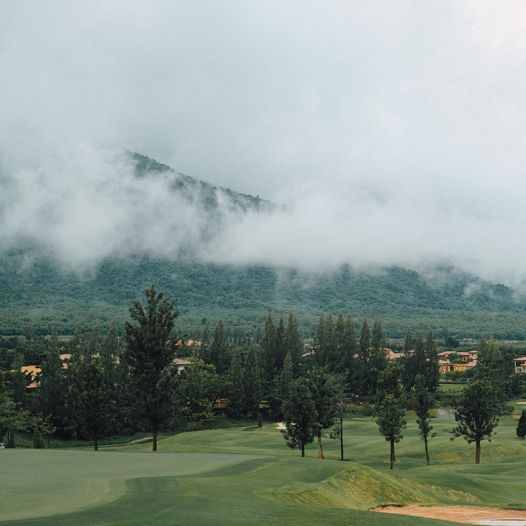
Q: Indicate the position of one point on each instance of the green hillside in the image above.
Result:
(36, 290)
(51, 299)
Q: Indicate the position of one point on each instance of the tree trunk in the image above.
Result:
(341, 437)
(477, 452)
(96, 443)
(427, 450)
(392, 456)
(302, 449)
(154, 437)
(320, 447)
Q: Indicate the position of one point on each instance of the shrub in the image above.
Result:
(38, 441)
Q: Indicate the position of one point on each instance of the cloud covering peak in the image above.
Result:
(393, 131)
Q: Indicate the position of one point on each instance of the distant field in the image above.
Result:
(446, 387)
(249, 477)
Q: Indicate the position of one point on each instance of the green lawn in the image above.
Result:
(249, 477)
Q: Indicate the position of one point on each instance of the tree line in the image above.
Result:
(120, 384)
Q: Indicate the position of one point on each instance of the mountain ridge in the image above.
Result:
(37, 290)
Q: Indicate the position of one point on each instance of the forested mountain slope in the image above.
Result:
(38, 289)
(50, 298)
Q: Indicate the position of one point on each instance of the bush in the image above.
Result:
(364, 409)
(521, 426)
(38, 441)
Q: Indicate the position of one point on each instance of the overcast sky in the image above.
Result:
(392, 123)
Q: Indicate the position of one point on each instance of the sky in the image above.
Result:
(393, 131)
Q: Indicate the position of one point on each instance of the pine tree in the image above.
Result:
(476, 413)
(150, 357)
(300, 416)
(390, 410)
(268, 345)
(281, 349)
(424, 402)
(285, 380)
(219, 349)
(205, 343)
(432, 373)
(339, 345)
(349, 345)
(360, 370)
(52, 390)
(377, 359)
(294, 343)
(325, 388)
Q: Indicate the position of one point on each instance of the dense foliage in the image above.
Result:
(38, 292)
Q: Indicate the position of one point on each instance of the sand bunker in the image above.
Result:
(462, 514)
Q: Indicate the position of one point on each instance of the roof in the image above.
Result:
(182, 361)
(32, 370)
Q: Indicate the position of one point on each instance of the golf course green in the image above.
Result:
(241, 475)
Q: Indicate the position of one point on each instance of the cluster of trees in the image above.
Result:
(118, 384)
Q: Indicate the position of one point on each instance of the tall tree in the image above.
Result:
(495, 368)
(89, 390)
(268, 345)
(476, 413)
(390, 410)
(281, 349)
(12, 418)
(361, 364)
(285, 380)
(52, 390)
(205, 341)
(377, 359)
(349, 346)
(424, 402)
(199, 386)
(294, 343)
(300, 416)
(150, 356)
(325, 388)
(409, 342)
(219, 349)
(431, 372)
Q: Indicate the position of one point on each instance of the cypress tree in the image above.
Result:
(281, 349)
(294, 343)
(268, 346)
(424, 402)
(349, 351)
(219, 349)
(432, 374)
(390, 410)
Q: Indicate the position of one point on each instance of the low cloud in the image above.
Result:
(392, 132)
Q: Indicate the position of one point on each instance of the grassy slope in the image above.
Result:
(35, 481)
(284, 489)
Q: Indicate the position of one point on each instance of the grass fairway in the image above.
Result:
(236, 476)
(42, 482)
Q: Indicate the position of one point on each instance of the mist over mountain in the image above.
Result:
(170, 229)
